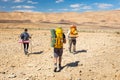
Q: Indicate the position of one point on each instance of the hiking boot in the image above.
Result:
(59, 68)
(74, 52)
(25, 51)
(55, 69)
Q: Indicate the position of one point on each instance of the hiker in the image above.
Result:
(72, 35)
(57, 40)
(25, 40)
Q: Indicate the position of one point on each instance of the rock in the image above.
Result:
(71, 78)
(115, 75)
(53, 75)
(39, 69)
(23, 73)
(2, 72)
(78, 79)
(30, 65)
(12, 66)
(81, 64)
(90, 70)
(80, 71)
(80, 74)
(27, 79)
(51, 56)
(103, 52)
(117, 70)
(105, 76)
(12, 75)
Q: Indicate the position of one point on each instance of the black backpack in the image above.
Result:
(24, 36)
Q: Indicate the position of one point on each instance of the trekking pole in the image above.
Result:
(21, 46)
(31, 45)
(19, 41)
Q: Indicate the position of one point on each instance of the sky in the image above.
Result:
(58, 5)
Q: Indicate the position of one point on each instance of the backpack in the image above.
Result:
(59, 38)
(73, 30)
(53, 36)
(24, 36)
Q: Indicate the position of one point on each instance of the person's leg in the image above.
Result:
(55, 64)
(70, 44)
(55, 59)
(60, 59)
(24, 44)
(74, 45)
(27, 46)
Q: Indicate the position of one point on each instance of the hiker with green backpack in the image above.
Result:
(57, 40)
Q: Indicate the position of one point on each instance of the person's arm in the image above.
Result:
(64, 38)
(73, 36)
(68, 34)
(29, 35)
(22, 36)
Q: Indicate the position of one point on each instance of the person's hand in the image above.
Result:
(74, 36)
(64, 40)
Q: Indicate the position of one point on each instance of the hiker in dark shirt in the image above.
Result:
(25, 40)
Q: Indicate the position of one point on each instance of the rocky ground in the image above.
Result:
(97, 57)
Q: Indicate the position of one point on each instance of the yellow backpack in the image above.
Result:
(73, 30)
(59, 38)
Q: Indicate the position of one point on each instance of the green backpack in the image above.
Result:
(53, 36)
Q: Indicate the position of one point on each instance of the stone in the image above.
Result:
(12, 75)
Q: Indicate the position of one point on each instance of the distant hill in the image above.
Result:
(86, 18)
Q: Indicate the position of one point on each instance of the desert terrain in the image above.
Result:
(98, 46)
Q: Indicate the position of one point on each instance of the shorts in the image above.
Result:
(58, 52)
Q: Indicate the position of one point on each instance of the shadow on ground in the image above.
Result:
(72, 64)
(81, 51)
(35, 53)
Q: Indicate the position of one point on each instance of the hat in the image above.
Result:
(73, 26)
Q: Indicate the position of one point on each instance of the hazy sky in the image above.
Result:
(58, 5)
